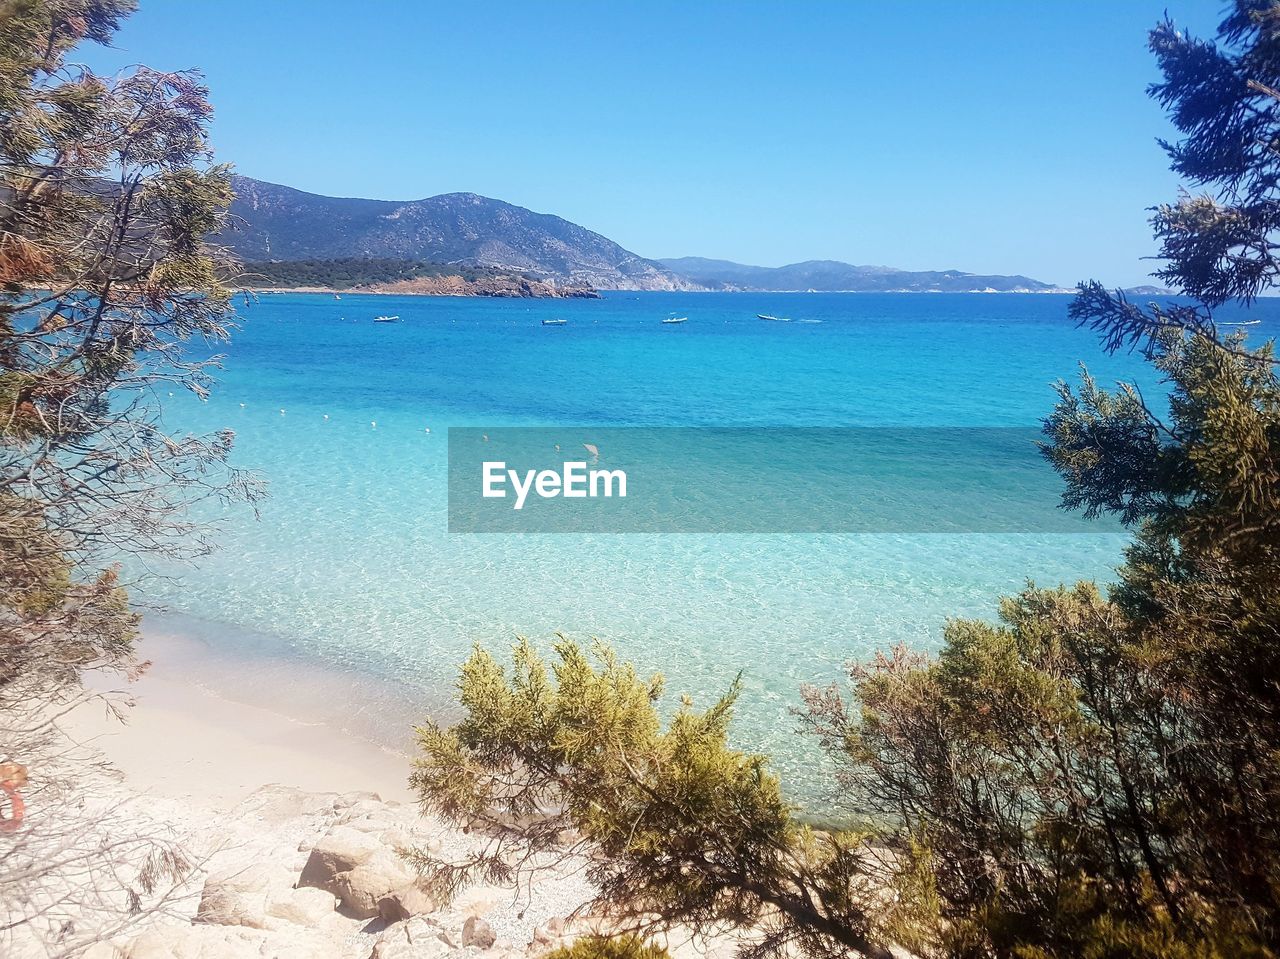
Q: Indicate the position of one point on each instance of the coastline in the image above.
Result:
(456, 294)
(193, 734)
(283, 835)
(253, 801)
(597, 294)
(499, 287)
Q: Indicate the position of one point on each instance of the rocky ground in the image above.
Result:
(156, 838)
(290, 874)
(299, 875)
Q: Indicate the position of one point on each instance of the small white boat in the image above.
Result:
(386, 319)
(1242, 323)
(676, 319)
(554, 322)
(775, 319)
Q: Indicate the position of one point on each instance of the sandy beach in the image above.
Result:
(184, 740)
(291, 828)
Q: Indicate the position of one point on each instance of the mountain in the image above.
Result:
(277, 223)
(273, 222)
(834, 276)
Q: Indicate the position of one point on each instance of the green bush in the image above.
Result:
(600, 947)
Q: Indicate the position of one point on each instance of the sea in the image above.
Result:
(348, 570)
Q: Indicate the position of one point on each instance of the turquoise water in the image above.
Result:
(351, 565)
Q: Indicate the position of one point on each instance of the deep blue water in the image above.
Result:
(351, 564)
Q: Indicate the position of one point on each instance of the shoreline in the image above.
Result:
(284, 835)
(509, 287)
(192, 733)
(445, 294)
(599, 293)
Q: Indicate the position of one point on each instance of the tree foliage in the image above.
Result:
(598, 947)
(107, 194)
(1097, 774)
(106, 198)
(1224, 98)
(674, 826)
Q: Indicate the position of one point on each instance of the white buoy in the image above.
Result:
(374, 424)
(557, 447)
(485, 437)
(282, 412)
(241, 406)
(326, 415)
(427, 430)
(171, 392)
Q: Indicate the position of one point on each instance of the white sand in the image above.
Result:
(247, 791)
(185, 741)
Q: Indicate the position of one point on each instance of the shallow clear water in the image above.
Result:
(351, 564)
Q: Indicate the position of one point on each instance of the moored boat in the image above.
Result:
(386, 319)
(775, 319)
(676, 319)
(555, 322)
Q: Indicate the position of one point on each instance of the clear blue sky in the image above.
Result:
(989, 136)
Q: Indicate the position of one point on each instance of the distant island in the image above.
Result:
(832, 276)
(475, 245)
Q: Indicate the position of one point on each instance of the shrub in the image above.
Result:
(600, 947)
